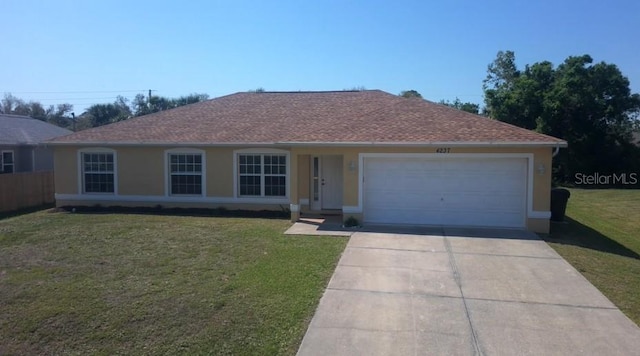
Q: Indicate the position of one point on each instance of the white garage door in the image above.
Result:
(447, 191)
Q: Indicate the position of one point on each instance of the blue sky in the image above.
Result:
(86, 52)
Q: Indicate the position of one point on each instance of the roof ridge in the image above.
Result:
(308, 91)
(19, 116)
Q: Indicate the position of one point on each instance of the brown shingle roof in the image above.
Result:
(349, 117)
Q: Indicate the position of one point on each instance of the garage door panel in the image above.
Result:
(479, 219)
(447, 191)
(402, 214)
(441, 217)
(402, 187)
(388, 199)
(475, 202)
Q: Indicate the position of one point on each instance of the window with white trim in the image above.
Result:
(7, 164)
(262, 175)
(185, 174)
(98, 172)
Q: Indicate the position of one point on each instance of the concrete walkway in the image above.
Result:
(321, 225)
(449, 291)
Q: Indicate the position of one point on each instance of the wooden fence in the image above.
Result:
(24, 190)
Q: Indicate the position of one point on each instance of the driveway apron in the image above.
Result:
(454, 291)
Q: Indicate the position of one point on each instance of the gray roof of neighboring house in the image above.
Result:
(23, 130)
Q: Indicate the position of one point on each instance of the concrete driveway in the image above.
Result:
(448, 291)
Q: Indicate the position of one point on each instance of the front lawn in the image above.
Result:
(144, 284)
(601, 239)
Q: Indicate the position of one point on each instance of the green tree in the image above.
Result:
(9, 103)
(83, 122)
(468, 106)
(97, 114)
(59, 115)
(502, 72)
(103, 114)
(140, 105)
(143, 106)
(37, 111)
(56, 115)
(16, 106)
(410, 94)
(588, 105)
(190, 99)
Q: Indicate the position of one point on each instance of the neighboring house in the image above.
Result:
(21, 144)
(368, 154)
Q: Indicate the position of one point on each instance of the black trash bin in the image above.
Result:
(559, 198)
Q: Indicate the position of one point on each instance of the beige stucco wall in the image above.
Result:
(304, 176)
(65, 169)
(538, 225)
(219, 172)
(145, 171)
(141, 172)
(541, 183)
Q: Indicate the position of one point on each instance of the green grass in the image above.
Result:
(142, 284)
(601, 239)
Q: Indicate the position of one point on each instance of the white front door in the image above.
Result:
(331, 182)
(326, 182)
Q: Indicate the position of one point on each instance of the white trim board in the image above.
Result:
(346, 209)
(260, 151)
(537, 214)
(13, 160)
(167, 179)
(81, 169)
(315, 144)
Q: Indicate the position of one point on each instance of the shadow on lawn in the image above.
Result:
(572, 232)
(33, 209)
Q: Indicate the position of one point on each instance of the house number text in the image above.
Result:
(443, 150)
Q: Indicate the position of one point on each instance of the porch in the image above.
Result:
(324, 186)
(318, 224)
